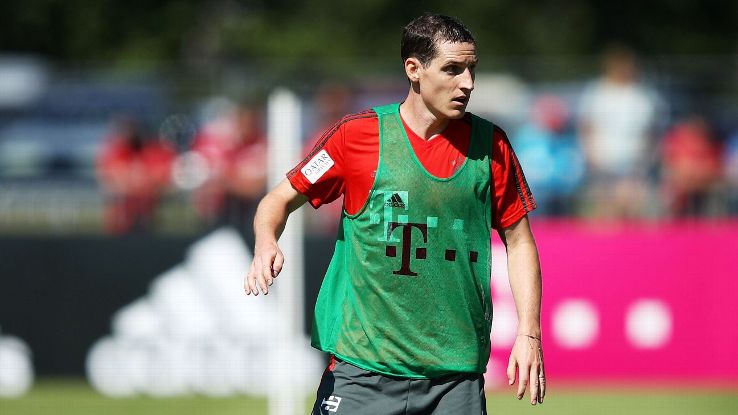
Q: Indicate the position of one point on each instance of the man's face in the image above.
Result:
(448, 80)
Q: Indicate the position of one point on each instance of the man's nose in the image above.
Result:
(467, 81)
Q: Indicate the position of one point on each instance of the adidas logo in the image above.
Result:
(395, 201)
(331, 404)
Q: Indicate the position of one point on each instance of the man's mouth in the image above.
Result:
(461, 100)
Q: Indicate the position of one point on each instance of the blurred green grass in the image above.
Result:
(75, 397)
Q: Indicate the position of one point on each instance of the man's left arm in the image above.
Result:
(524, 272)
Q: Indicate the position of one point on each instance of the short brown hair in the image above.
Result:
(421, 36)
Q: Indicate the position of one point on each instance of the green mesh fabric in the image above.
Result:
(407, 291)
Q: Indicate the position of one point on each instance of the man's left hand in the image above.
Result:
(526, 358)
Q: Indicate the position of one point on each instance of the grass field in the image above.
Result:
(57, 397)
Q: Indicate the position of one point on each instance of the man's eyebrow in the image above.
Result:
(461, 62)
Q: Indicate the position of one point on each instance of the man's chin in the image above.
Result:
(456, 113)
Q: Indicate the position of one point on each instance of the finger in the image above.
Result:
(542, 375)
(542, 387)
(278, 264)
(265, 274)
(246, 282)
(511, 371)
(534, 384)
(252, 276)
(523, 377)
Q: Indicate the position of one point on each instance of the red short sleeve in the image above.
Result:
(511, 197)
(319, 175)
(340, 163)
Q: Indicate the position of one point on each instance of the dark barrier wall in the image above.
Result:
(59, 294)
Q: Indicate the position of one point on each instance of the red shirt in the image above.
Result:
(353, 145)
(127, 170)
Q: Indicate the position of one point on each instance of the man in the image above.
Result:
(404, 309)
(618, 116)
(134, 173)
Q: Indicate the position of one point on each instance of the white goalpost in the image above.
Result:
(284, 129)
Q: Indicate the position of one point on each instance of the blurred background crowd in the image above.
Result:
(151, 118)
(635, 138)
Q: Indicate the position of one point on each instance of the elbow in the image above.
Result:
(518, 235)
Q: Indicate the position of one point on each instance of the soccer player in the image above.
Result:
(404, 309)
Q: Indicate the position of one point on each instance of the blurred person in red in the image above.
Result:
(234, 147)
(134, 172)
(617, 119)
(690, 166)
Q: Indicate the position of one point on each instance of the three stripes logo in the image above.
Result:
(395, 201)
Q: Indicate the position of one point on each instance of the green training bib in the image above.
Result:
(407, 291)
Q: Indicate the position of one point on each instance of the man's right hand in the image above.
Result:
(271, 217)
(267, 264)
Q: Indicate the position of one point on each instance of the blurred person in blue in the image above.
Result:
(730, 168)
(618, 116)
(549, 150)
(134, 171)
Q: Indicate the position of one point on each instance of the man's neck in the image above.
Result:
(420, 119)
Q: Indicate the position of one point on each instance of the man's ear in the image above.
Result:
(412, 69)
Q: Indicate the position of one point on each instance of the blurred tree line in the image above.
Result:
(362, 34)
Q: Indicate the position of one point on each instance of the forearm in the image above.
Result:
(271, 217)
(273, 211)
(525, 280)
(524, 272)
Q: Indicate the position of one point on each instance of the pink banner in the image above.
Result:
(630, 302)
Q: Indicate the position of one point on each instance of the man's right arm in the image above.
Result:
(271, 217)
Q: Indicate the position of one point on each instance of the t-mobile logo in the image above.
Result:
(420, 253)
(407, 234)
(331, 404)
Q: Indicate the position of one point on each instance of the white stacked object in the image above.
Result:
(16, 368)
(197, 332)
